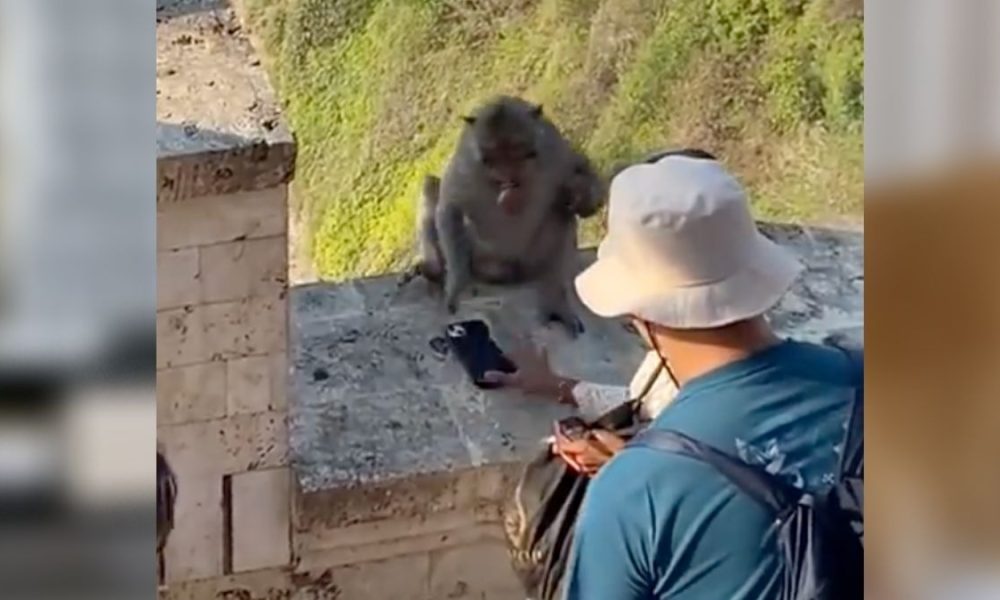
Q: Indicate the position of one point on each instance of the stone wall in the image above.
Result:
(221, 360)
(224, 164)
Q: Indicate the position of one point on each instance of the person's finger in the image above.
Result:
(610, 441)
(571, 446)
(590, 464)
(543, 357)
(526, 349)
(499, 377)
(568, 458)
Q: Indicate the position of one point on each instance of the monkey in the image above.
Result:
(166, 499)
(506, 208)
(580, 196)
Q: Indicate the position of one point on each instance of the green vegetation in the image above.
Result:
(373, 90)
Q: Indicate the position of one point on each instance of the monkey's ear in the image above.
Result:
(536, 111)
(469, 120)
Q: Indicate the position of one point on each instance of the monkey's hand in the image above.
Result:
(572, 323)
(451, 298)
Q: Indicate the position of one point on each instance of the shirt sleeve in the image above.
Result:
(595, 400)
(610, 556)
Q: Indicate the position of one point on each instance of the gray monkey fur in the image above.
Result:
(464, 237)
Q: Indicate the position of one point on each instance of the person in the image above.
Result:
(166, 500)
(684, 260)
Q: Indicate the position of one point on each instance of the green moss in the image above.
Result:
(373, 90)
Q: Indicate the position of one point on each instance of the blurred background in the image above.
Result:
(77, 237)
(77, 298)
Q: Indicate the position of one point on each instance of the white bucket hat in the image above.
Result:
(683, 251)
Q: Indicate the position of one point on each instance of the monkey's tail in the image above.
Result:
(431, 189)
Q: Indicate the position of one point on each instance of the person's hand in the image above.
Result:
(534, 374)
(588, 454)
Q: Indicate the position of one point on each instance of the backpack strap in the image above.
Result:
(852, 459)
(760, 485)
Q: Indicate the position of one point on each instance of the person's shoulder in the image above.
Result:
(820, 362)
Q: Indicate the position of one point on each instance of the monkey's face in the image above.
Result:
(506, 148)
(510, 165)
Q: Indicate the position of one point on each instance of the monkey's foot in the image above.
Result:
(423, 269)
(570, 322)
(407, 276)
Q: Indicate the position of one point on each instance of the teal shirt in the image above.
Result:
(656, 526)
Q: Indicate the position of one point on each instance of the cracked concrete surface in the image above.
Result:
(219, 123)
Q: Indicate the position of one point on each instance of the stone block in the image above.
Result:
(477, 572)
(261, 519)
(279, 381)
(231, 445)
(386, 530)
(384, 540)
(195, 448)
(257, 441)
(177, 278)
(218, 219)
(345, 443)
(267, 584)
(194, 550)
(244, 269)
(400, 578)
(191, 393)
(248, 385)
(180, 337)
(246, 327)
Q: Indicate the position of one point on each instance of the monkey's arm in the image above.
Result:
(583, 192)
(456, 246)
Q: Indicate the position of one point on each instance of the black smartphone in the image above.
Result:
(477, 352)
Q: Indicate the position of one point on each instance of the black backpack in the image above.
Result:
(820, 536)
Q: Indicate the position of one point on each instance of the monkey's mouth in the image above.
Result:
(511, 197)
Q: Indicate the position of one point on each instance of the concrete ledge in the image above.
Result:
(219, 124)
(384, 428)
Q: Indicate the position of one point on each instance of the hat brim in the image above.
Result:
(610, 288)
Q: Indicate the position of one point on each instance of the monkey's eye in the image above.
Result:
(531, 155)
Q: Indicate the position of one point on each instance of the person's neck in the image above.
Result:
(694, 352)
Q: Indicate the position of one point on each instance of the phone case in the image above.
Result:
(477, 352)
(573, 428)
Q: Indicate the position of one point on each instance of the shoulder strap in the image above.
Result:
(760, 485)
(626, 415)
(648, 384)
(852, 459)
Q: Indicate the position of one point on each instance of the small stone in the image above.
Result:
(321, 374)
